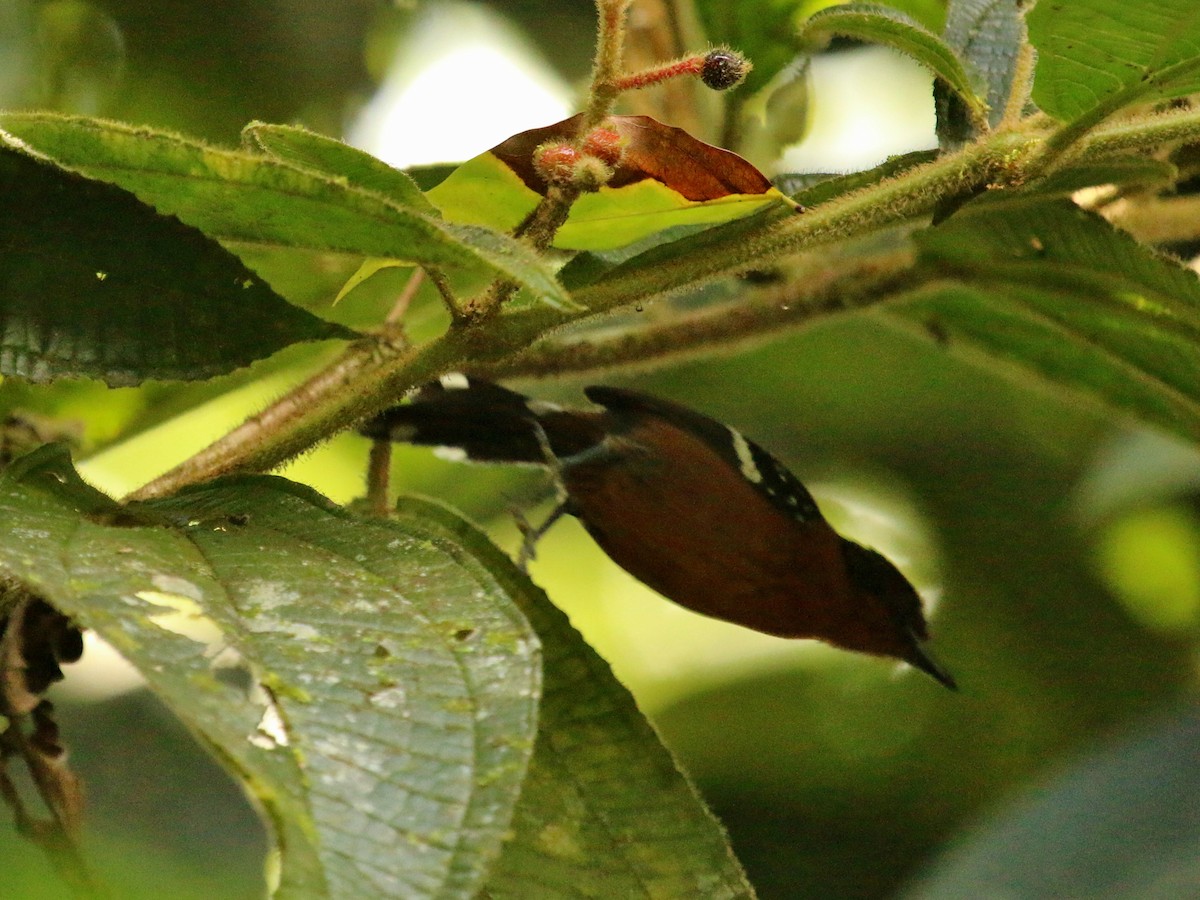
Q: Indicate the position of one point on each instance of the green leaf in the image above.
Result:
(1096, 57)
(1120, 823)
(94, 283)
(327, 156)
(1121, 171)
(373, 685)
(884, 25)
(369, 267)
(247, 198)
(604, 811)
(987, 35)
(1059, 292)
(930, 13)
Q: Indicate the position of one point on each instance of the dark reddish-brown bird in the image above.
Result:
(686, 505)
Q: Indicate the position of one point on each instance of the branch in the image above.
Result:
(812, 294)
(1144, 133)
(372, 374)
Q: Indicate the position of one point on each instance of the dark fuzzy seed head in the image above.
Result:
(723, 69)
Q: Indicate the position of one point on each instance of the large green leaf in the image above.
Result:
(1096, 57)
(887, 26)
(95, 283)
(1120, 823)
(248, 198)
(372, 684)
(604, 811)
(1060, 292)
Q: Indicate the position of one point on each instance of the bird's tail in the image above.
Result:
(484, 422)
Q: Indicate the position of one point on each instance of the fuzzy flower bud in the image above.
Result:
(556, 162)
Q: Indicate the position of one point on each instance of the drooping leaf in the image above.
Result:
(987, 36)
(430, 176)
(1096, 57)
(604, 811)
(1060, 293)
(368, 268)
(310, 150)
(95, 283)
(373, 685)
(930, 13)
(247, 198)
(884, 25)
(665, 178)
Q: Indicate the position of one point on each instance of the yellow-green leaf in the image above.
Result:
(664, 179)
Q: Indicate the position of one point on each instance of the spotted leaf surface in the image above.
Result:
(372, 685)
(604, 811)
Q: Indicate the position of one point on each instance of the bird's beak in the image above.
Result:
(920, 659)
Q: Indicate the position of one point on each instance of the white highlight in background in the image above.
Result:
(462, 81)
(867, 104)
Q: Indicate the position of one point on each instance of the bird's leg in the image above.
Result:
(531, 534)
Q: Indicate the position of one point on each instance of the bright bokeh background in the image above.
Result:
(1061, 547)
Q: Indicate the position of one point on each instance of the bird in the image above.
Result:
(687, 505)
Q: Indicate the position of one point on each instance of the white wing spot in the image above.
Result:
(745, 457)
(454, 381)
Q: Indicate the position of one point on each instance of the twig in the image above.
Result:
(58, 836)
(378, 471)
(400, 308)
(372, 373)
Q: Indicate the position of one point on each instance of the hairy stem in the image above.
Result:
(1076, 132)
(812, 293)
(552, 210)
(372, 374)
(1144, 133)
(610, 45)
(914, 194)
